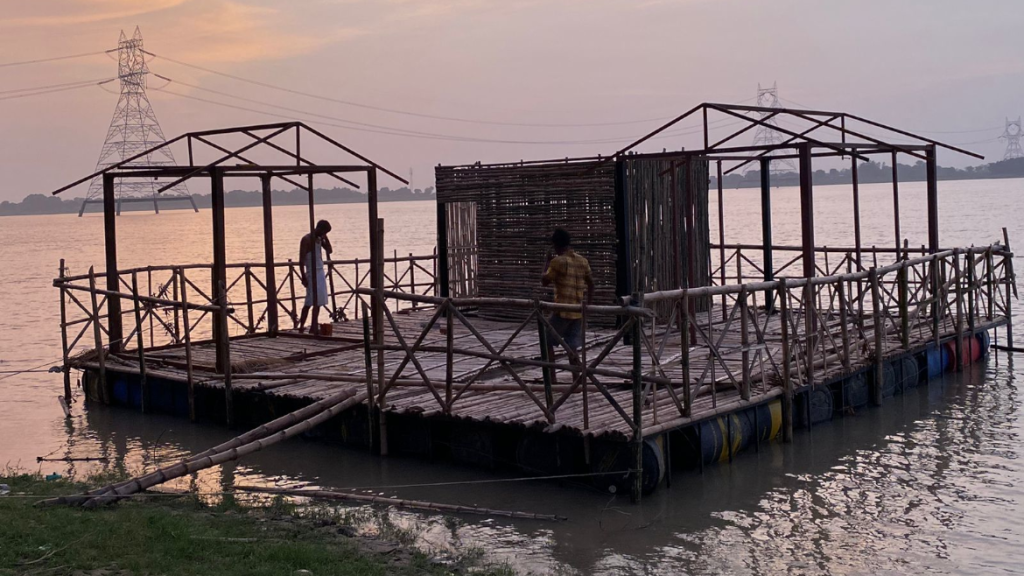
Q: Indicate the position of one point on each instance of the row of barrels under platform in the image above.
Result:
(535, 453)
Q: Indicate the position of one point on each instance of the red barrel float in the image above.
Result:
(970, 347)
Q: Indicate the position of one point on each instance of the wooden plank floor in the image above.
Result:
(343, 355)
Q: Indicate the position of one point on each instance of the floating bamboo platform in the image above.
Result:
(773, 353)
(693, 351)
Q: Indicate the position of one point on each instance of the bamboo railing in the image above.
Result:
(721, 347)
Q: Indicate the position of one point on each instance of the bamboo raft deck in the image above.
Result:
(493, 397)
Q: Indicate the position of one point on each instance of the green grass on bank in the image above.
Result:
(168, 536)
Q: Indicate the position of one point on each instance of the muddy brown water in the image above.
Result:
(931, 482)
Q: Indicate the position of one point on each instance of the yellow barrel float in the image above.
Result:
(716, 439)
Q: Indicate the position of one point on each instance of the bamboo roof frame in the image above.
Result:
(262, 136)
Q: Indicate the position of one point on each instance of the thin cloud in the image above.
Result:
(78, 12)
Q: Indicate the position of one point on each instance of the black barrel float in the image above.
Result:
(890, 379)
(856, 391)
(617, 459)
(817, 403)
(908, 373)
(539, 454)
(472, 445)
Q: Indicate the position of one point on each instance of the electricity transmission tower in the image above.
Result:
(765, 135)
(1012, 135)
(134, 129)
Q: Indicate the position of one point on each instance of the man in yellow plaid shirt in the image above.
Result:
(570, 274)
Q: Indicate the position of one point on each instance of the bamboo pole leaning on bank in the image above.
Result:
(261, 437)
(401, 503)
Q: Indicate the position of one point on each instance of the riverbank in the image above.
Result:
(184, 534)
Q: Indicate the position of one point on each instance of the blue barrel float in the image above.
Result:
(940, 359)
(713, 440)
(985, 341)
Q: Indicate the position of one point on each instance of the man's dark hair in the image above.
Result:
(561, 238)
(323, 227)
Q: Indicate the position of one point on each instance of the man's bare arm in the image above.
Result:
(303, 249)
(545, 280)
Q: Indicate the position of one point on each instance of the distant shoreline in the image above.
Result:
(40, 204)
(867, 173)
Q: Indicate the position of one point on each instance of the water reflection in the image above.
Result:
(925, 483)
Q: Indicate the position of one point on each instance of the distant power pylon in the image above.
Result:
(765, 135)
(1012, 135)
(133, 130)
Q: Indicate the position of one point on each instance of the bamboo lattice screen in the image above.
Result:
(507, 213)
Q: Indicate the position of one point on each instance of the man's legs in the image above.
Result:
(314, 328)
(570, 331)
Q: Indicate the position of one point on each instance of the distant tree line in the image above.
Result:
(874, 172)
(48, 204)
(868, 172)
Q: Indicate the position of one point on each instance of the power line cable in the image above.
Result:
(63, 89)
(387, 130)
(34, 88)
(54, 59)
(977, 130)
(403, 112)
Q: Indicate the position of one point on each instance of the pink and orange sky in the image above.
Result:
(953, 68)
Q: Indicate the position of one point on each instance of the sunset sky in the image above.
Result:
(952, 68)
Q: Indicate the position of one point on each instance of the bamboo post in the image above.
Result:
(721, 237)
(684, 339)
(291, 289)
(449, 357)
(224, 353)
(989, 292)
(904, 294)
(412, 279)
(188, 347)
(98, 334)
(879, 330)
(787, 380)
(139, 343)
(149, 287)
(378, 330)
(936, 282)
(583, 380)
(270, 274)
(638, 434)
(330, 288)
(844, 323)
(64, 334)
(809, 332)
(248, 299)
(1011, 280)
(958, 295)
(745, 344)
(368, 359)
(971, 291)
(177, 313)
(357, 284)
(545, 354)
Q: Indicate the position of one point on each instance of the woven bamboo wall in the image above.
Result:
(655, 244)
(518, 205)
(517, 208)
(462, 249)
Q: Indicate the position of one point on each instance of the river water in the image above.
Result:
(931, 482)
